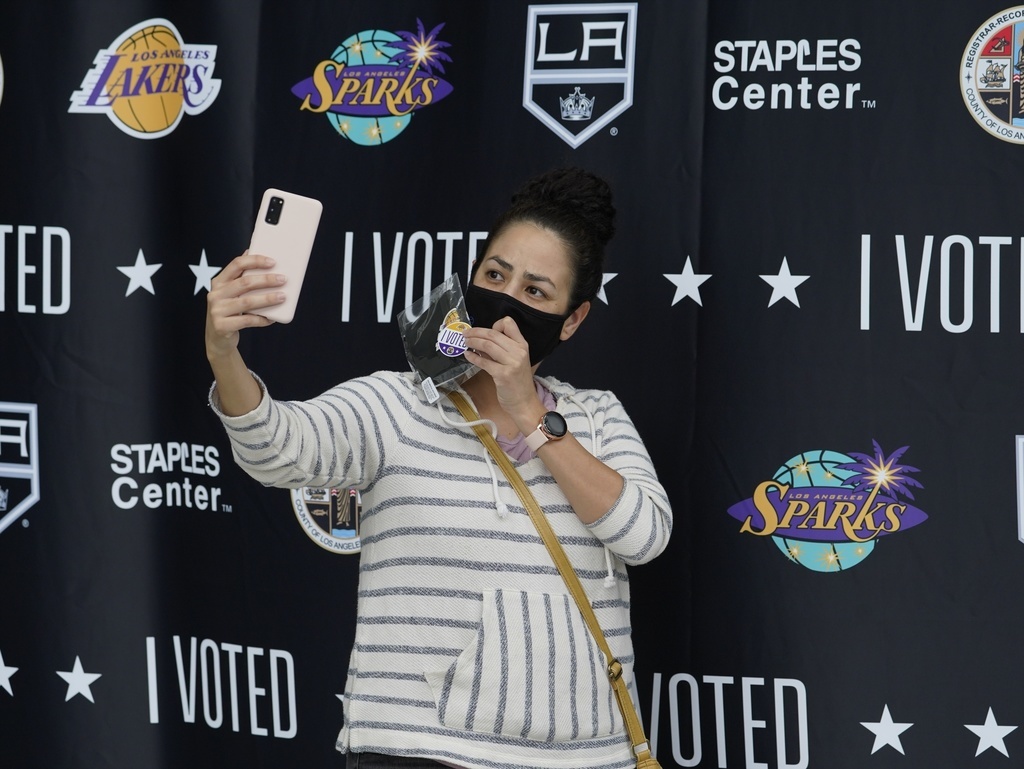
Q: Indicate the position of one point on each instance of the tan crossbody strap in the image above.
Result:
(547, 534)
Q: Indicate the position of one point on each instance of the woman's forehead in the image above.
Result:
(527, 247)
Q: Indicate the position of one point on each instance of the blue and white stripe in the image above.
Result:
(468, 647)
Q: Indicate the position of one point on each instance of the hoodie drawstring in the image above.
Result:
(502, 508)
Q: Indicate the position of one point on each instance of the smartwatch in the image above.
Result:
(552, 427)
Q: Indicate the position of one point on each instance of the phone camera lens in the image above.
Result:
(274, 210)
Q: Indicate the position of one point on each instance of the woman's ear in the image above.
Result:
(574, 320)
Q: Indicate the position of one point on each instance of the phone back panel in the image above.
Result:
(289, 243)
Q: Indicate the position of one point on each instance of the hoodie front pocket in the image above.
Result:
(533, 671)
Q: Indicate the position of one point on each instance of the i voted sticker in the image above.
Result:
(450, 341)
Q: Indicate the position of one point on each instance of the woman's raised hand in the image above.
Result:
(504, 353)
(229, 305)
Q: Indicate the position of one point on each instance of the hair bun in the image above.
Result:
(575, 205)
(572, 193)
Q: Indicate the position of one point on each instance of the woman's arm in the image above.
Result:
(229, 309)
(621, 500)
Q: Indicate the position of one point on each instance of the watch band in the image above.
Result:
(552, 427)
(536, 439)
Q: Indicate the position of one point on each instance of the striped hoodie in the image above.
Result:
(468, 647)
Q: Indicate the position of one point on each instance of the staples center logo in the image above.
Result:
(163, 476)
(19, 460)
(785, 74)
(579, 66)
(147, 79)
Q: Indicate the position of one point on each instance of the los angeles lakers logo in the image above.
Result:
(147, 79)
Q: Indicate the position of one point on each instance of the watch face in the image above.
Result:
(554, 424)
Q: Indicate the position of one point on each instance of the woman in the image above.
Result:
(468, 649)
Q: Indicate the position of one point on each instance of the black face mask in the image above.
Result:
(540, 329)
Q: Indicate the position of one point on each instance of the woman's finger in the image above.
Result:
(495, 346)
(509, 328)
(237, 267)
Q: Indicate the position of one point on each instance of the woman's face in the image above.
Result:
(528, 263)
(531, 264)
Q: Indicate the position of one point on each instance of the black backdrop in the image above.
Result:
(802, 289)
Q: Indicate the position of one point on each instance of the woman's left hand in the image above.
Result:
(590, 485)
(504, 353)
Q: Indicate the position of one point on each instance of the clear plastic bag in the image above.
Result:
(431, 329)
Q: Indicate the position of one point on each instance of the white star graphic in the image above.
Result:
(604, 282)
(784, 284)
(687, 283)
(204, 273)
(886, 732)
(991, 734)
(5, 675)
(140, 275)
(79, 681)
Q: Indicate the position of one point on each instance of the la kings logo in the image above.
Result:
(579, 66)
(19, 461)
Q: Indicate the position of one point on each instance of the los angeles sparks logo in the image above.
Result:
(374, 82)
(991, 73)
(147, 79)
(826, 510)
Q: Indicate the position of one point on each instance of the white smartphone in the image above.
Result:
(285, 229)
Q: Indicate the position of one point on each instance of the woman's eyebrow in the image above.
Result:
(530, 276)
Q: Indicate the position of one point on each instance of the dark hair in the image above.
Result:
(576, 206)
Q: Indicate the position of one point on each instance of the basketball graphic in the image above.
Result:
(147, 79)
(372, 47)
(375, 80)
(825, 510)
(134, 106)
(819, 469)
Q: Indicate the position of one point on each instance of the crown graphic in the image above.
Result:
(3, 500)
(576, 106)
